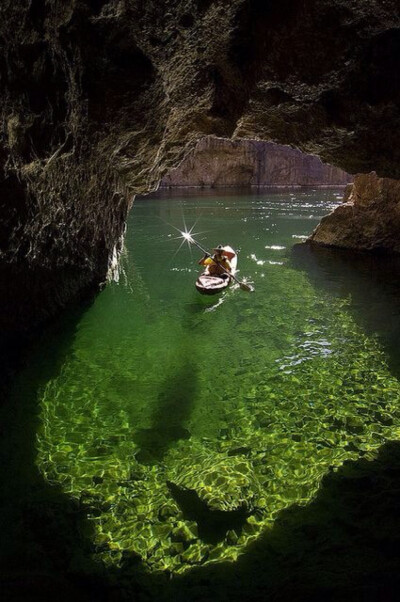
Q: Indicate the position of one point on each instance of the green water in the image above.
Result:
(184, 424)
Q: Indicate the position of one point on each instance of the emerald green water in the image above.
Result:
(184, 424)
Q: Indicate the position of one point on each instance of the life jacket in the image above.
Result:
(214, 267)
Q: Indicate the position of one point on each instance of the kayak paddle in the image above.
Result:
(243, 285)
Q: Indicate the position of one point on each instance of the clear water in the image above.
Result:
(184, 424)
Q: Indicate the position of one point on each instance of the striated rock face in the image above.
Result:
(368, 219)
(101, 98)
(219, 162)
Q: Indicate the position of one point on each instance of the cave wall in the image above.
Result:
(101, 98)
(217, 162)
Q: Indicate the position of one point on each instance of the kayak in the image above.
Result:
(210, 285)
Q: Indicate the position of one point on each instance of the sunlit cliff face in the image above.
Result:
(99, 99)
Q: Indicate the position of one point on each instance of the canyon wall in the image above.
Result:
(217, 162)
(101, 98)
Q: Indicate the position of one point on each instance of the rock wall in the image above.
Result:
(100, 99)
(368, 219)
(219, 162)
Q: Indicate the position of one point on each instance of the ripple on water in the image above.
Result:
(172, 422)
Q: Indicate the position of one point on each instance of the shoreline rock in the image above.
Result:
(368, 218)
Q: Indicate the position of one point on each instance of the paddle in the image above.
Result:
(245, 287)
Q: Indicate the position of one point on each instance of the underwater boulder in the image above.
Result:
(223, 484)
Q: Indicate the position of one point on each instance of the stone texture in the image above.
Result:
(217, 162)
(100, 99)
(368, 219)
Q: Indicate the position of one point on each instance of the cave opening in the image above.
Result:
(156, 443)
(224, 163)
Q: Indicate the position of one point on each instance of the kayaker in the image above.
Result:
(216, 262)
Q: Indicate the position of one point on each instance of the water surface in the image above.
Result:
(185, 424)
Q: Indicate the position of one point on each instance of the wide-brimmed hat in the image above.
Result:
(227, 251)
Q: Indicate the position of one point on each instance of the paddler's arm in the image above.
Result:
(203, 260)
(226, 264)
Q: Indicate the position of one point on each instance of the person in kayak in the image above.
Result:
(216, 262)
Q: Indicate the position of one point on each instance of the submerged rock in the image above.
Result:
(212, 524)
(227, 484)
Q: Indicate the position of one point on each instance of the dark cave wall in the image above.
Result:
(99, 99)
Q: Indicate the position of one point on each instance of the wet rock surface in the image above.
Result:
(101, 99)
(367, 220)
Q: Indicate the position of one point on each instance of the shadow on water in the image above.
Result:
(212, 524)
(372, 282)
(173, 409)
(45, 543)
(344, 545)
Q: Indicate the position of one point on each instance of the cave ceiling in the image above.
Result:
(144, 80)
